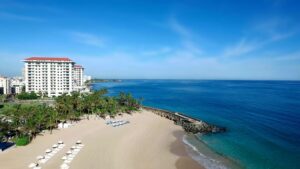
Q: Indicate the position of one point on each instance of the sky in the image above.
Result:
(167, 39)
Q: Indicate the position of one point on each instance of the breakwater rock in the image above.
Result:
(189, 124)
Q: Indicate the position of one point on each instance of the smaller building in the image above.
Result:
(78, 75)
(5, 85)
(17, 84)
(86, 78)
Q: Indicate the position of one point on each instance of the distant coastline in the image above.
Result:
(93, 81)
(103, 81)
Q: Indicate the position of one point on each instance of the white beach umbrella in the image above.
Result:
(43, 161)
(60, 142)
(31, 165)
(61, 146)
(68, 161)
(64, 157)
(72, 155)
(69, 152)
(40, 157)
(48, 151)
(36, 167)
(55, 146)
(55, 150)
(73, 147)
(78, 142)
(48, 156)
(64, 166)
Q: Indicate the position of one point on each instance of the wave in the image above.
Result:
(203, 160)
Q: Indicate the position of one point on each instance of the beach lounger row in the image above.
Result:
(49, 154)
(116, 123)
(71, 154)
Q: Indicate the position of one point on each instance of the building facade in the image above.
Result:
(78, 75)
(17, 84)
(4, 85)
(49, 76)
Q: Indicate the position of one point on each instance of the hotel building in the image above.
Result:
(49, 76)
(78, 75)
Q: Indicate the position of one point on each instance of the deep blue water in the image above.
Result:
(262, 117)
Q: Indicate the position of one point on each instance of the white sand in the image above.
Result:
(148, 142)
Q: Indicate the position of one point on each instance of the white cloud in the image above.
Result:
(161, 51)
(179, 28)
(12, 16)
(32, 7)
(288, 57)
(87, 38)
(242, 47)
(178, 65)
(265, 33)
(186, 66)
(186, 35)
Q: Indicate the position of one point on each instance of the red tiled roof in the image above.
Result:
(49, 59)
(78, 66)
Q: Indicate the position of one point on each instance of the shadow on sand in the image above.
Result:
(5, 145)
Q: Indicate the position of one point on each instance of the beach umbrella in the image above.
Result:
(55, 146)
(36, 167)
(48, 156)
(64, 158)
(73, 147)
(78, 142)
(64, 166)
(40, 157)
(48, 151)
(60, 142)
(61, 146)
(32, 165)
(69, 152)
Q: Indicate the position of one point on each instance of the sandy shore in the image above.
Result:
(148, 142)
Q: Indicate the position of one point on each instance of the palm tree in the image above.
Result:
(128, 102)
(30, 120)
(53, 118)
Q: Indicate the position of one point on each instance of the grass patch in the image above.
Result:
(22, 140)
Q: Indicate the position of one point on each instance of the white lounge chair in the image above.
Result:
(31, 165)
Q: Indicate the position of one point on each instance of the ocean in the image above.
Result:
(262, 118)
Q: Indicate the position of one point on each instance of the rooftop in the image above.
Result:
(60, 59)
(78, 66)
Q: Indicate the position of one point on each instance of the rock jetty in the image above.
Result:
(189, 124)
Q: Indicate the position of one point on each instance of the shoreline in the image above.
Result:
(179, 148)
(149, 141)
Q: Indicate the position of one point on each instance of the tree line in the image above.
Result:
(21, 123)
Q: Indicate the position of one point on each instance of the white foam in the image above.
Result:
(205, 161)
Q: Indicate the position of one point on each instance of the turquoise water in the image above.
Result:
(262, 117)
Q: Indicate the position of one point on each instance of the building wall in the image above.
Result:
(78, 76)
(49, 77)
(5, 85)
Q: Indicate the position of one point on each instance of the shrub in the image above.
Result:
(22, 140)
(27, 96)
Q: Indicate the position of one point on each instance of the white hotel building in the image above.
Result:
(78, 75)
(51, 76)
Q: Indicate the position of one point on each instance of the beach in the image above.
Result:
(148, 141)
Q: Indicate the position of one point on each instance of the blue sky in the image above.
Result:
(204, 39)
